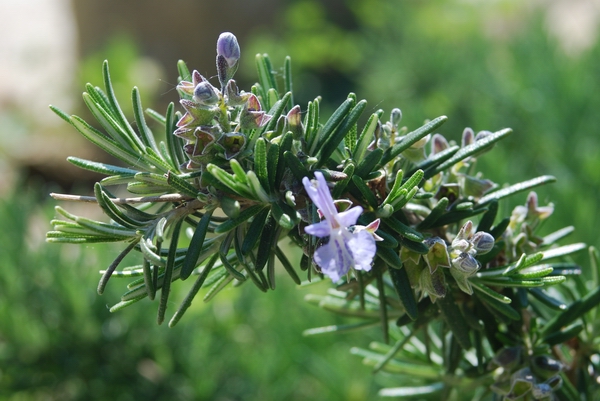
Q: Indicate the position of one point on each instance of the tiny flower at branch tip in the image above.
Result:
(349, 246)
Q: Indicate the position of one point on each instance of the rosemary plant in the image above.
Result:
(474, 304)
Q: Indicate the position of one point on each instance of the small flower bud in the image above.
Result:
(483, 242)
(438, 143)
(228, 47)
(465, 264)
(228, 54)
(396, 117)
(206, 94)
(468, 137)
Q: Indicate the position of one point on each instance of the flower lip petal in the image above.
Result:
(350, 216)
(322, 229)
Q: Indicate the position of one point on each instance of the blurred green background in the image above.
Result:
(531, 66)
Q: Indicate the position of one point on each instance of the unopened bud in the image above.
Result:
(228, 47)
(483, 242)
(205, 93)
(396, 117)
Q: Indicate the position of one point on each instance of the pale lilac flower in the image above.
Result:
(346, 248)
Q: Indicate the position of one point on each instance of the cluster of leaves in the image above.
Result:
(226, 187)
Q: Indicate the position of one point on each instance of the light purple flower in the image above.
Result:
(346, 248)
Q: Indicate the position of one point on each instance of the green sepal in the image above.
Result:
(184, 71)
(195, 246)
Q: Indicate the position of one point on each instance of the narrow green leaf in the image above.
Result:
(101, 168)
(430, 164)
(244, 216)
(260, 162)
(182, 186)
(187, 302)
(107, 144)
(275, 111)
(366, 137)
(113, 210)
(267, 242)
(405, 292)
(411, 138)
(146, 134)
(498, 306)
(117, 112)
(229, 181)
(296, 167)
(287, 265)
(563, 251)
(196, 243)
(109, 271)
(367, 164)
(287, 80)
(487, 220)
(223, 252)
(562, 336)
(438, 210)
(365, 191)
(254, 231)
(486, 291)
(474, 148)
(156, 116)
(324, 133)
(455, 320)
(272, 167)
(166, 287)
(265, 75)
(516, 188)
(547, 300)
(402, 229)
(330, 143)
(340, 186)
(174, 144)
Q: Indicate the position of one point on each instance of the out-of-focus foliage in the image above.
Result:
(487, 65)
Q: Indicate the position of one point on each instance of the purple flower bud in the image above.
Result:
(228, 47)
(206, 94)
(468, 137)
(483, 242)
